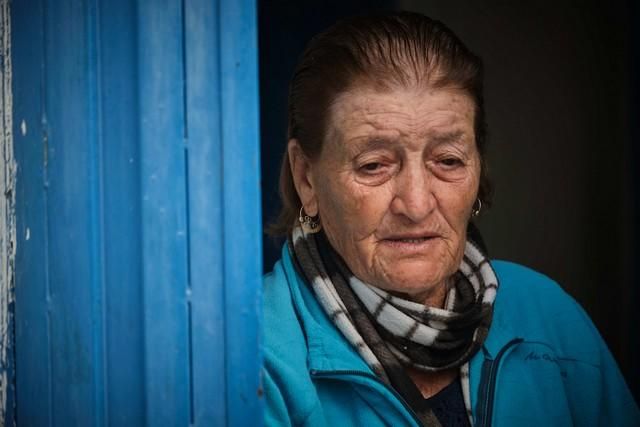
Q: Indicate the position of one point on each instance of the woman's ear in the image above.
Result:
(301, 172)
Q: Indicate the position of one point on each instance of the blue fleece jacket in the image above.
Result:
(543, 363)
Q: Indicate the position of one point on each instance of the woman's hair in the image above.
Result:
(397, 50)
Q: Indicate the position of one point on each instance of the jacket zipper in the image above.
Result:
(336, 375)
(489, 383)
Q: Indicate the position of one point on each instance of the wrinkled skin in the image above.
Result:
(395, 185)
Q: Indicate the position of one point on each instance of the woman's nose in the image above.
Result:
(413, 196)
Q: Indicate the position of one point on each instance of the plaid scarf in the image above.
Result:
(391, 333)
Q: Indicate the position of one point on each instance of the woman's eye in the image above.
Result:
(371, 167)
(450, 162)
(374, 173)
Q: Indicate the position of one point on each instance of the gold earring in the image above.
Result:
(476, 211)
(309, 224)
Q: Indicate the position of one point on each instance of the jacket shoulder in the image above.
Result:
(533, 307)
(531, 289)
(517, 278)
(536, 308)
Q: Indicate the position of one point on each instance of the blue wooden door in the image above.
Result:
(138, 265)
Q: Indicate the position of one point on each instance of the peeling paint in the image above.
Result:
(27, 234)
(7, 213)
(23, 128)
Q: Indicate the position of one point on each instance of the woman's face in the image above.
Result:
(395, 184)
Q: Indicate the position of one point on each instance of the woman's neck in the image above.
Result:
(430, 383)
(433, 297)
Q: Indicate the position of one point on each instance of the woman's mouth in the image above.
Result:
(409, 243)
(411, 239)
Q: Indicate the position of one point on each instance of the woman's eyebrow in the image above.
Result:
(446, 137)
(371, 143)
(379, 142)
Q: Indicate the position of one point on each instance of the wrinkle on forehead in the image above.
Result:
(357, 114)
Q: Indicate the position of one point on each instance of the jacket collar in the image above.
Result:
(500, 331)
(328, 350)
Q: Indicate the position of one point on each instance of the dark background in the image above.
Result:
(562, 107)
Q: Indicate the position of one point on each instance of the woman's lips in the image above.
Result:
(409, 244)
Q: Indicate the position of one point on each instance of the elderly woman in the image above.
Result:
(384, 309)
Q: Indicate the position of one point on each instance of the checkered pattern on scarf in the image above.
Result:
(391, 333)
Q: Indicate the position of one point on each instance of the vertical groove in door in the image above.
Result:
(45, 205)
(188, 291)
(96, 211)
(164, 214)
(206, 257)
(121, 213)
(242, 215)
(7, 224)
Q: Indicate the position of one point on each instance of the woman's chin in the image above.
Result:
(416, 282)
(412, 272)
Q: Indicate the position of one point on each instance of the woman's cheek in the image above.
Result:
(458, 201)
(371, 206)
